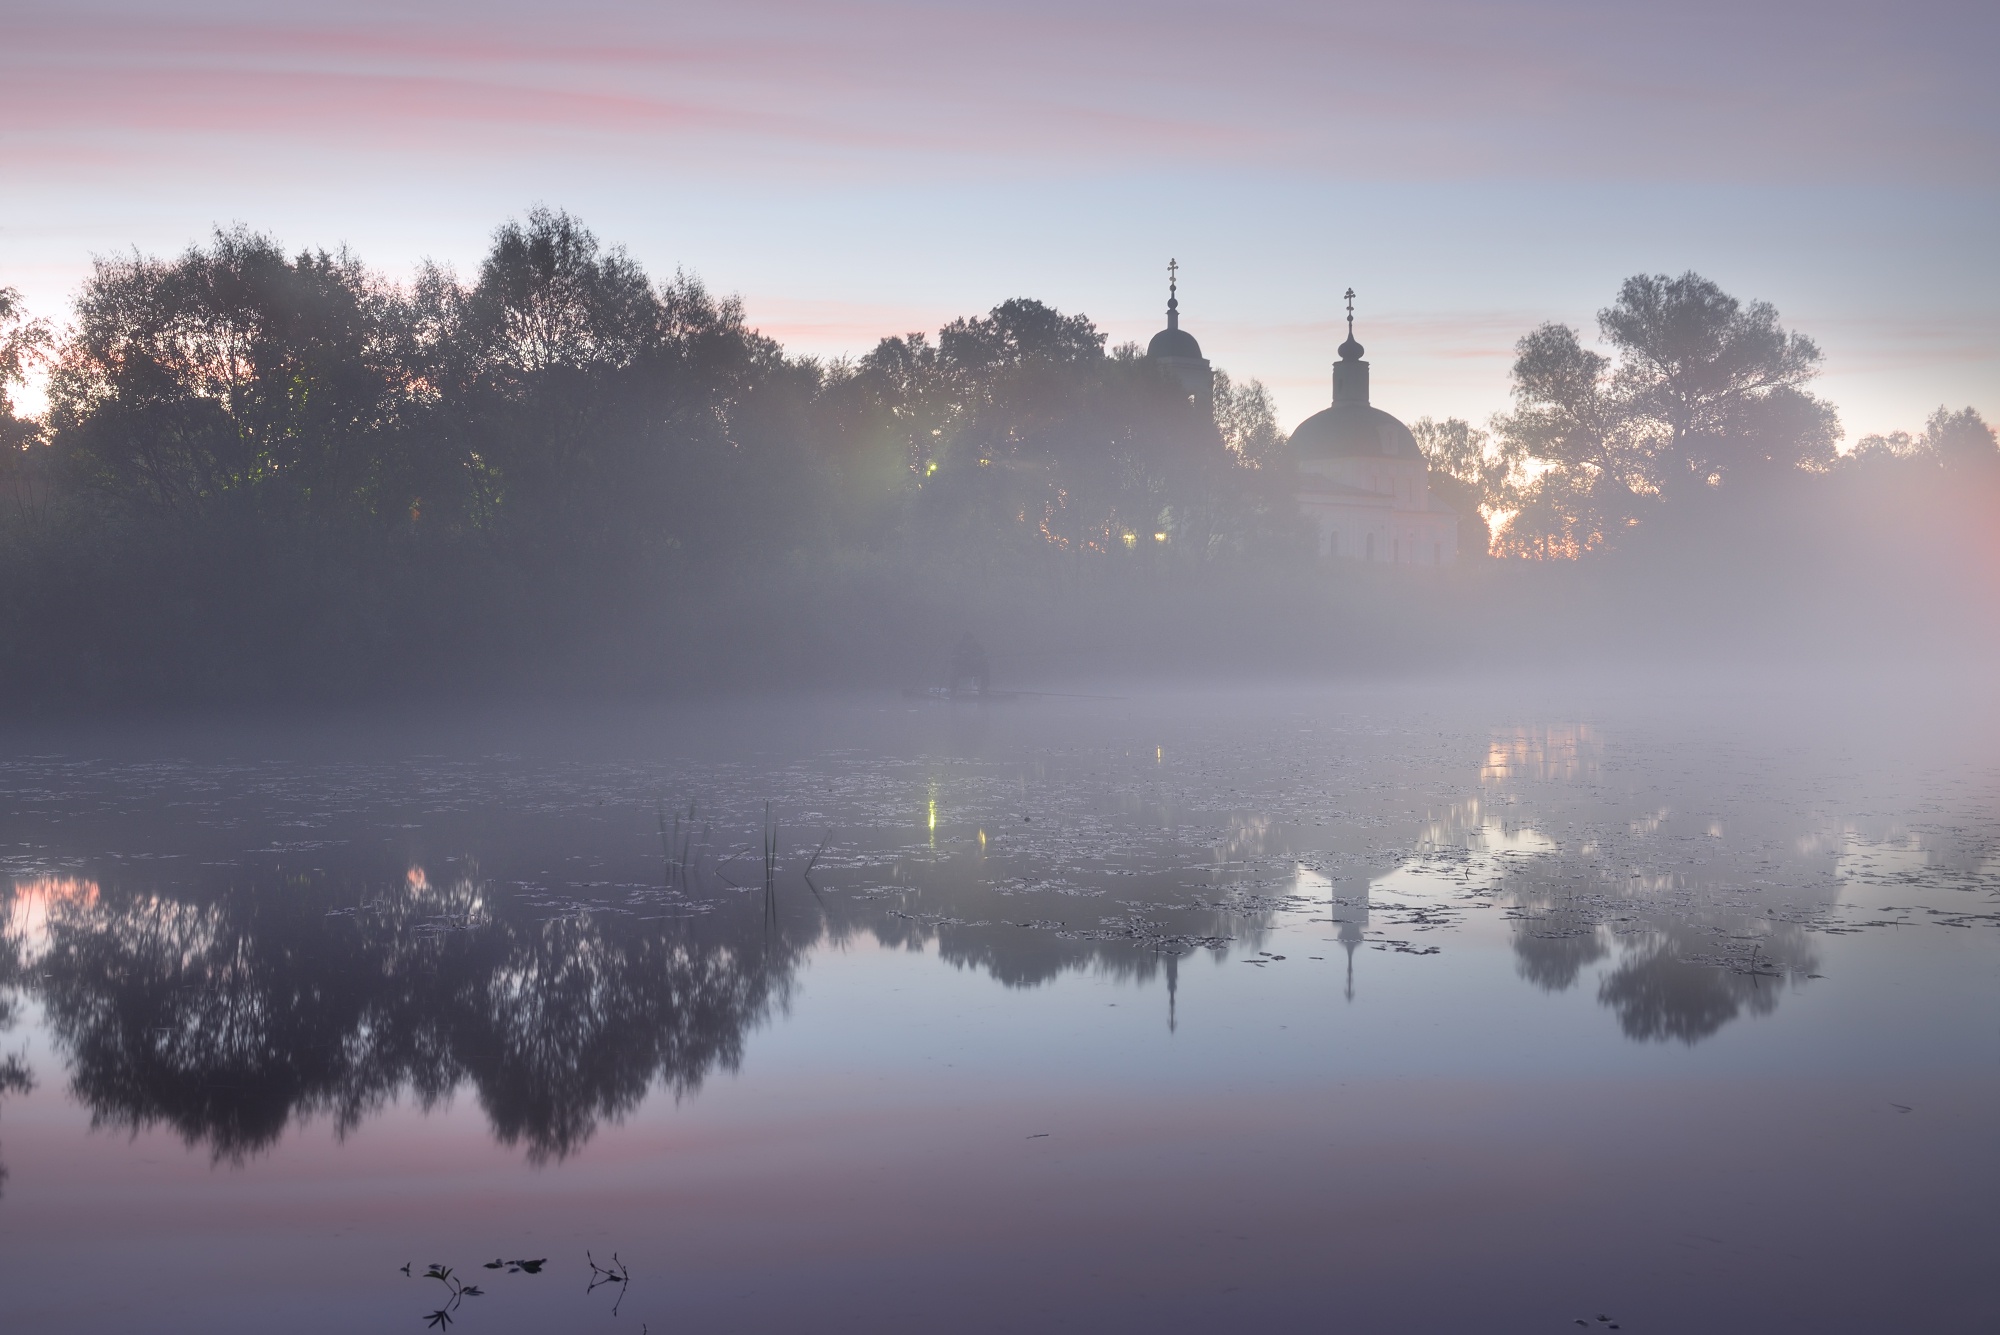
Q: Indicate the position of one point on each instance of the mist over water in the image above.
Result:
(1187, 1006)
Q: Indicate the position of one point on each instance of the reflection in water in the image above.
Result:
(226, 1011)
(15, 1077)
(226, 1015)
(1548, 753)
(1692, 950)
(1662, 988)
(25, 918)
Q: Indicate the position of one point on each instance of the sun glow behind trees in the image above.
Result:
(1697, 392)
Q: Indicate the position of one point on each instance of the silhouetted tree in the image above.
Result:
(232, 376)
(1698, 392)
(1467, 473)
(1721, 382)
(24, 344)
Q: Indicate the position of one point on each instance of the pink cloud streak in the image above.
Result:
(1464, 89)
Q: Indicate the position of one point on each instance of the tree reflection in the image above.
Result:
(1553, 954)
(1688, 952)
(226, 1015)
(1667, 988)
(1684, 968)
(15, 1077)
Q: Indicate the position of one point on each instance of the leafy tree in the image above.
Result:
(1018, 333)
(231, 373)
(1962, 439)
(24, 344)
(1573, 461)
(1469, 473)
(1704, 370)
(1698, 390)
(1247, 417)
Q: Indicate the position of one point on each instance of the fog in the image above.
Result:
(279, 479)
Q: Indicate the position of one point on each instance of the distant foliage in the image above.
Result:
(278, 471)
(1698, 393)
(275, 474)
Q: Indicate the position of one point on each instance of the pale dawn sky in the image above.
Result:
(862, 169)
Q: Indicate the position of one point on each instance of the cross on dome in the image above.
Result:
(1350, 351)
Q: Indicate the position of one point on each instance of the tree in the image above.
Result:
(1468, 473)
(232, 373)
(1697, 391)
(1961, 439)
(1573, 462)
(549, 328)
(1720, 382)
(1018, 332)
(24, 344)
(1247, 417)
(1949, 439)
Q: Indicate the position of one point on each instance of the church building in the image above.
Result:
(1362, 480)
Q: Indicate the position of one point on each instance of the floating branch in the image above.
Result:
(615, 1273)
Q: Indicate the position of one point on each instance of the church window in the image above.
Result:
(1371, 546)
(1437, 553)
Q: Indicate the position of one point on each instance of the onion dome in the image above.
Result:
(1174, 348)
(1352, 427)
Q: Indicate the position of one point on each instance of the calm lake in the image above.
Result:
(1424, 1006)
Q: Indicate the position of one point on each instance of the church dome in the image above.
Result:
(1174, 342)
(1354, 431)
(1176, 352)
(1351, 429)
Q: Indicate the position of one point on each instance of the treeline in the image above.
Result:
(266, 475)
(1700, 405)
(267, 472)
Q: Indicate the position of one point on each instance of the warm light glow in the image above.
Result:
(34, 897)
(1563, 752)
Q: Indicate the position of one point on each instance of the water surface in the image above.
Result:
(1423, 1006)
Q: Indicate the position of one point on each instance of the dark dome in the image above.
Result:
(1174, 343)
(1354, 430)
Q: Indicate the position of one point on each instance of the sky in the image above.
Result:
(860, 169)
